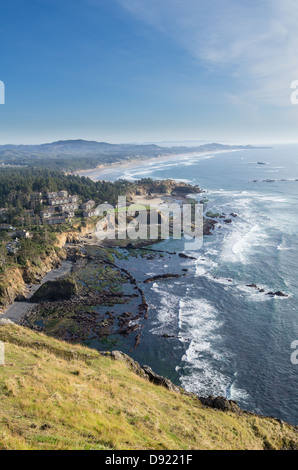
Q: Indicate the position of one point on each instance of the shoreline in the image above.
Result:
(106, 167)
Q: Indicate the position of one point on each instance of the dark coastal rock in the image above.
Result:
(262, 291)
(209, 225)
(159, 380)
(162, 277)
(281, 294)
(220, 403)
(146, 372)
(63, 289)
(137, 342)
(228, 221)
(233, 214)
(183, 256)
(277, 294)
(217, 403)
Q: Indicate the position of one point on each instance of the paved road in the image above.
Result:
(18, 309)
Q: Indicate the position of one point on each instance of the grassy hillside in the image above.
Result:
(58, 396)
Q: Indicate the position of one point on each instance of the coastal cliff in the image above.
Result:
(14, 281)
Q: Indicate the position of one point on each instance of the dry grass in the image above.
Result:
(59, 396)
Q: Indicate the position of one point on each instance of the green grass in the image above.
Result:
(59, 396)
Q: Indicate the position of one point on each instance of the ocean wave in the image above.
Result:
(238, 243)
(234, 393)
(166, 307)
(201, 370)
(200, 327)
(283, 246)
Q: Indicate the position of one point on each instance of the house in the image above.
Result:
(6, 227)
(57, 220)
(3, 211)
(13, 247)
(90, 213)
(88, 205)
(73, 199)
(69, 214)
(47, 213)
(68, 207)
(59, 201)
(51, 196)
(63, 194)
(22, 234)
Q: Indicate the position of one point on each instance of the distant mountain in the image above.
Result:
(75, 154)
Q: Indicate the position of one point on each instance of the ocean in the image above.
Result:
(224, 338)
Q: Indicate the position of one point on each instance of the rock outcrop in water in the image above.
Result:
(209, 225)
(272, 294)
(163, 277)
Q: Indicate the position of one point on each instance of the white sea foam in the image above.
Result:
(283, 246)
(167, 307)
(200, 327)
(239, 242)
(204, 265)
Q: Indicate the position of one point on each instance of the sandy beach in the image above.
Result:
(100, 170)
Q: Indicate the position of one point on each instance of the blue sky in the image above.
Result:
(148, 70)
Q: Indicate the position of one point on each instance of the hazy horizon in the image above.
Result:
(161, 143)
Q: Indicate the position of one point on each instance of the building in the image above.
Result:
(88, 205)
(57, 220)
(69, 214)
(3, 211)
(59, 201)
(13, 247)
(68, 207)
(63, 194)
(22, 234)
(47, 214)
(73, 199)
(90, 213)
(51, 196)
(6, 227)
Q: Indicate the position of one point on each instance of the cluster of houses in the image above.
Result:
(61, 207)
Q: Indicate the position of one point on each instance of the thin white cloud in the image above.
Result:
(255, 41)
